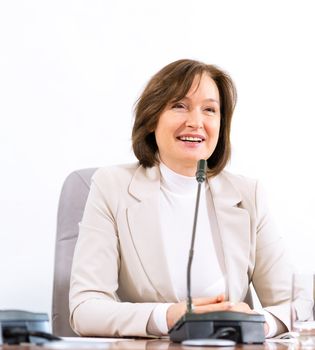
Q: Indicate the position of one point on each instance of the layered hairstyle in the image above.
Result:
(171, 84)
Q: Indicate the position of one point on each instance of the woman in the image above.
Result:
(129, 268)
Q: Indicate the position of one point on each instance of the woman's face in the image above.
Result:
(188, 130)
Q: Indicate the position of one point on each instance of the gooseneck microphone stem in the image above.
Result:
(191, 252)
(200, 177)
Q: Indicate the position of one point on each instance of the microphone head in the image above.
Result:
(201, 173)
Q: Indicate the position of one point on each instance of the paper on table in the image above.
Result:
(95, 339)
(83, 343)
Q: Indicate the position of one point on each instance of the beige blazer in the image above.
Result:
(119, 272)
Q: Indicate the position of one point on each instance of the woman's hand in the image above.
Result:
(201, 305)
(243, 307)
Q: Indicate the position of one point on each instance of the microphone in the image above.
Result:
(240, 327)
(201, 172)
(201, 175)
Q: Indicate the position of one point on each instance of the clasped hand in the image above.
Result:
(202, 305)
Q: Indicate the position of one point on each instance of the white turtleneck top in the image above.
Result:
(176, 209)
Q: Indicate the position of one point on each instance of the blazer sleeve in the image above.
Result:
(95, 309)
(273, 271)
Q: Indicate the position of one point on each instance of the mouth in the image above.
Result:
(191, 139)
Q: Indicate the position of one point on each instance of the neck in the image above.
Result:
(182, 169)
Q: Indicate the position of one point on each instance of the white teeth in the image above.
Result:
(189, 138)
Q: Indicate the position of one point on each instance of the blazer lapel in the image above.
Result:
(144, 225)
(233, 224)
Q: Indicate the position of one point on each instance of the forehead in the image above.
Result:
(205, 86)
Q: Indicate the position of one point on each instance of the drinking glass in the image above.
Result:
(303, 309)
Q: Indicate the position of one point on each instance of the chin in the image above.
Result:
(198, 157)
(193, 161)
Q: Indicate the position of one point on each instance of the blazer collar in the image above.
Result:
(145, 182)
(224, 193)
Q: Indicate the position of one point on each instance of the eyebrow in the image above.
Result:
(207, 99)
(213, 100)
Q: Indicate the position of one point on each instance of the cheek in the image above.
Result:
(213, 128)
(158, 137)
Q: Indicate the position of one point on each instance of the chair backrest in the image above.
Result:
(71, 206)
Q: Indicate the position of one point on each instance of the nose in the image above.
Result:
(194, 119)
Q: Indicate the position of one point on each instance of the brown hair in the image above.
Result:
(172, 83)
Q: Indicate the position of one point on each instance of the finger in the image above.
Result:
(224, 306)
(205, 301)
(242, 307)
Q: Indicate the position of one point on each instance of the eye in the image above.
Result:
(211, 110)
(178, 105)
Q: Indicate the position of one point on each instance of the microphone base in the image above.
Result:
(241, 327)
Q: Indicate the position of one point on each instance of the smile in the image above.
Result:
(190, 139)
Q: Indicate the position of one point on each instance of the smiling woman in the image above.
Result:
(129, 266)
(174, 86)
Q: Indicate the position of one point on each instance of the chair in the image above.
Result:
(71, 205)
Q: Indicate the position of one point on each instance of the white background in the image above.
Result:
(70, 72)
